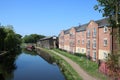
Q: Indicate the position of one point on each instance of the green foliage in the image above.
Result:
(32, 38)
(9, 40)
(2, 37)
(106, 5)
(89, 66)
(111, 9)
(113, 65)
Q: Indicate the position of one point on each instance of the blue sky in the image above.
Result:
(46, 17)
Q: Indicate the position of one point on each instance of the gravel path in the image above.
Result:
(76, 67)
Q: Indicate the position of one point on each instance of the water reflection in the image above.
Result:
(28, 66)
(1, 77)
(45, 56)
(33, 53)
(7, 64)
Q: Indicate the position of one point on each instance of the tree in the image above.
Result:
(9, 40)
(12, 39)
(111, 10)
(32, 38)
(2, 37)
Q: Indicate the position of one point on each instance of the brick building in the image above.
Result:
(48, 42)
(92, 39)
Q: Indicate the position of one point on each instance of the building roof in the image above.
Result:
(48, 37)
(67, 31)
(102, 22)
(81, 28)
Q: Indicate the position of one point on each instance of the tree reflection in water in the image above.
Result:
(7, 64)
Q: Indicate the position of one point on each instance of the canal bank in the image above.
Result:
(68, 71)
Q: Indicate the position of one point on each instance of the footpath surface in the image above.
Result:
(76, 67)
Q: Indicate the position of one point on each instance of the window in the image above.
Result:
(71, 34)
(94, 43)
(88, 33)
(105, 28)
(88, 53)
(82, 33)
(88, 44)
(94, 55)
(105, 55)
(94, 32)
(78, 42)
(78, 49)
(105, 42)
(83, 41)
(82, 50)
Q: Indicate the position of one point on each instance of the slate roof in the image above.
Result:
(81, 28)
(48, 37)
(101, 23)
(67, 31)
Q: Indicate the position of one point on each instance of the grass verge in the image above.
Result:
(89, 66)
(67, 70)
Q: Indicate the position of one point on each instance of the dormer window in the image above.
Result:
(70, 34)
(105, 28)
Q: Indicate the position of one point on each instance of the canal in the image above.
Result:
(29, 66)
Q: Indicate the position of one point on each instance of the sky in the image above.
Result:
(46, 17)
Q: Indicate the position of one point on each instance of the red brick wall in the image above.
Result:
(81, 36)
(61, 40)
(91, 27)
(102, 36)
(66, 40)
(72, 40)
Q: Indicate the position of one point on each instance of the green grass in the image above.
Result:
(67, 70)
(89, 66)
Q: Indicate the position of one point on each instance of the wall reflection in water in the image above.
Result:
(46, 56)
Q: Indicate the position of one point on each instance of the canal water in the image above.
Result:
(29, 66)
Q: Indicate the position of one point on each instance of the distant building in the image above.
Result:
(92, 39)
(48, 42)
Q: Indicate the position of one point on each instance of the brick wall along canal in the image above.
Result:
(29, 66)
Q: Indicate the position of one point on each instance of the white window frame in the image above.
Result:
(105, 29)
(94, 43)
(94, 32)
(82, 50)
(105, 43)
(88, 33)
(94, 55)
(88, 45)
(105, 55)
(82, 41)
(79, 50)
